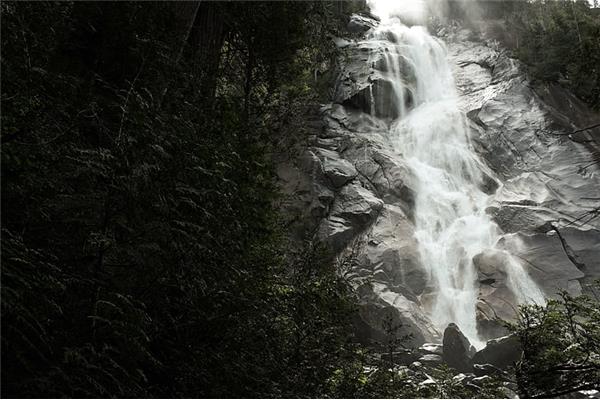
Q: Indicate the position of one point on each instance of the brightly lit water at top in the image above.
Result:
(431, 134)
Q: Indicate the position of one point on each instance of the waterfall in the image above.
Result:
(431, 134)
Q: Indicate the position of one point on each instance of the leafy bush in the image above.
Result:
(561, 345)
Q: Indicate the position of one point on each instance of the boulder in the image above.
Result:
(501, 353)
(378, 303)
(463, 378)
(431, 348)
(431, 360)
(416, 366)
(487, 369)
(336, 170)
(357, 204)
(488, 326)
(353, 209)
(457, 350)
(360, 24)
(480, 381)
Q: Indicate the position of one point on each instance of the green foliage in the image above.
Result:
(559, 40)
(140, 249)
(561, 345)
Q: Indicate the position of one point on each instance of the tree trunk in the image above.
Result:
(185, 14)
(205, 42)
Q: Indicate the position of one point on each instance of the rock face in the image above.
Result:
(521, 132)
(349, 188)
(457, 350)
(501, 353)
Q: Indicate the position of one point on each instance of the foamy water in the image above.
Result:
(431, 134)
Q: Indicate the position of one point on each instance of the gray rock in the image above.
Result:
(392, 249)
(431, 348)
(353, 209)
(496, 299)
(545, 259)
(509, 393)
(337, 170)
(377, 99)
(416, 366)
(488, 326)
(379, 302)
(487, 369)
(357, 204)
(480, 381)
(457, 350)
(428, 382)
(431, 360)
(400, 357)
(583, 249)
(360, 24)
(501, 353)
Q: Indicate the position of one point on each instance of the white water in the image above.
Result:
(432, 136)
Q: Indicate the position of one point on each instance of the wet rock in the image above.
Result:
(583, 247)
(380, 302)
(360, 24)
(401, 357)
(337, 232)
(544, 258)
(501, 353)
(480, 381)
(377, 99)
(353, 209)
(463, 378)
(509, 393)
(431, 348)
(495, 299)
(457, 350)
(416, 366)
(488, 326)
(513, 218)
(341, 43)
(431, 360)
(392, 250)
(337, 170)
(487, 369)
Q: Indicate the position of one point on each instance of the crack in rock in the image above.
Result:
(571, 255)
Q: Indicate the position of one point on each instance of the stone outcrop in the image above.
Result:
(501, 353)
(457, 350)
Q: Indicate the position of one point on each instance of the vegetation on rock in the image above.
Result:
(559, 41)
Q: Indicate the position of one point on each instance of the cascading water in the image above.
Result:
(429, 131)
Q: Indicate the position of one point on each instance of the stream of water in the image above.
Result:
(431, 134)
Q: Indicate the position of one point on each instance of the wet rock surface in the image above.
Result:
(457, 350)
(348, 187)
(548, 184)
(500, 353)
